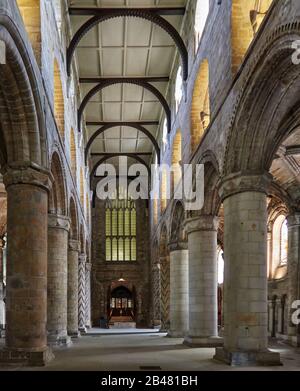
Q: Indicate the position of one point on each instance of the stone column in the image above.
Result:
(73, 254)
(58, 231)
(81, 293)
(2, 305)
(179, 295)
(203, 282)
(165, 293)
(26, 290)
(156, 292)
(293, 274)
(88, 267)
(245, 277)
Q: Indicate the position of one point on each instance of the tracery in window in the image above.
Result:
(120, 227)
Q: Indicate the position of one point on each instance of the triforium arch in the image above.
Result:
(252, 147)
(129, 124)
(57, 196)
(58, 99)
(137, 13)
(200, 108)
(164, 261)
(31, 14)
(110, 82)
(246, 18)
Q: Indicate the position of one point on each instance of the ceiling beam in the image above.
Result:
(142, 13)
(152, 79)
(82, 11)
(118, 123)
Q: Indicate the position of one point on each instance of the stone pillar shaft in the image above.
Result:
(245, 276)
(73, 253)
(293, 265)
(88, 323)
(81, 293)
(26, 295)
(58, 227)
(179, 299)
(203, 283)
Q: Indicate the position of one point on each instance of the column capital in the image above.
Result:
(177, 246)
(82, 258)
(60, 222)
(293, 220)
(74, 245)
(243, 182)
(202, 223)
(27, 176)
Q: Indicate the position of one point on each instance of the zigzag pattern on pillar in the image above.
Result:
(165, 293)
(81, 294)
(156, 291)
(88, 295)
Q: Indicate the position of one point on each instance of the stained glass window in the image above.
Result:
(120, 227)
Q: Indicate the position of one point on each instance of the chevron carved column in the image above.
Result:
(81, 293)
(88, 267)
(165, 293)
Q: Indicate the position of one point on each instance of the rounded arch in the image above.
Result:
(176, 158)
(74, 219)
(105, 158)
(31, 15)
(246, 18)
(73, 154)
(107, 83)
(59, 104)
(22, 128)
(129, 124)
(261, 122)
(200, 108)
(57, 197)
(137, 13)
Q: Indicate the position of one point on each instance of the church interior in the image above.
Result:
(102, 92)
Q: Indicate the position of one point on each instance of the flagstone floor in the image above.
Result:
(110, 351)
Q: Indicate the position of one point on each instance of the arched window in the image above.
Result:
(202, 10)
(178, 88)
(283, 243)
(246, 18)
(165, 135)
(120, 227)
(176, 159)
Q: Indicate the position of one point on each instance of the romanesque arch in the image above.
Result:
(57, 196)
(200, 108)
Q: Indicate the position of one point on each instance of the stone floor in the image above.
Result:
(112, 351)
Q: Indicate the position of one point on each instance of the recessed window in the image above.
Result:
(178, 88)
(120, 227)
(283, 243)
(202, 10)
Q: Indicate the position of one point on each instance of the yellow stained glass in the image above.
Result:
(121, 250)
(108, 222)
(133, 249)
(114, 222)
(114, 249)
(127, 250)
(108, 249)
(121, 222)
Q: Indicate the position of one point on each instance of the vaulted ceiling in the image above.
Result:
(125, 47)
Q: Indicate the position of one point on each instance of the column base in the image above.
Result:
(74, 334)
(240, 358)
(176, 334)
(294, 340)
(25, 357)
(203, 342)
(82, 330)
(59, 340)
